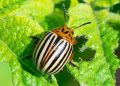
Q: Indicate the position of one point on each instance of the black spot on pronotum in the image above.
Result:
(62, 30)
(117, 77)
(66, 32)
(69, 34)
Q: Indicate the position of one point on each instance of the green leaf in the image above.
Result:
(17, 30)
(110, 42)
(20, 19)
(74, 2)
(114, 19)
(110, 37)
(56, 1)
(37, 9)
(54, 17)
(15, 36)
(102, 3)
(97, 71)
(5, 73)
(14, 65)
(9, 6)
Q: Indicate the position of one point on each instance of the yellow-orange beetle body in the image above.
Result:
(54, 50)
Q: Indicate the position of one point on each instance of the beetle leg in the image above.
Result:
(35, 38)
(73, 64)
(80, 59)
(71, 61)
(50, 78)
(27, 57)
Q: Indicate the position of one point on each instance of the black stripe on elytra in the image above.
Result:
(62, 30)
(44, 63)
(67, 52)
(55, 59)
(46, 51)
(36, 48)
(42, 47)
(54, 44)
(57, 40)
(64, 61)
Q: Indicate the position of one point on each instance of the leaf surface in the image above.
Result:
(15, 36)
(98, 71)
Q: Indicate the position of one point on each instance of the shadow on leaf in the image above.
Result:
(84, 53)
(26, 57)
(115, 8)
(64, 78)
(116, 27)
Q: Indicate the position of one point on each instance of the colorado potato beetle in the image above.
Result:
(55, 49)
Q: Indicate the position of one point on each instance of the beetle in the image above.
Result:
(55, 49)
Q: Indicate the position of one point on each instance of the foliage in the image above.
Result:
(20, 19)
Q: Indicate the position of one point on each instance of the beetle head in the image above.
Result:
(66, 33)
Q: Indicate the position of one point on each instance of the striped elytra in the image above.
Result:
(55, 50)
(52, 53)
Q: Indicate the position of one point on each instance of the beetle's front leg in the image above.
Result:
(36, 41)
(50, 78)
(27, 57)
(73, 64)
(35, 38)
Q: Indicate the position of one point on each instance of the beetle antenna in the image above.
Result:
(83, 24)
(64, 10)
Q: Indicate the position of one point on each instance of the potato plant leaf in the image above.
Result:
(20, 19)
(15, 34)
(7, 7)
(97, 71)
(101, 3)
(37, 9)
(110, 38)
